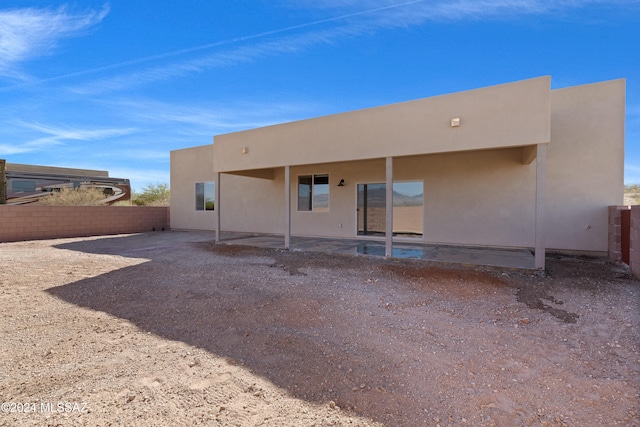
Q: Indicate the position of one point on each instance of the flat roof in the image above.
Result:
(54, 170)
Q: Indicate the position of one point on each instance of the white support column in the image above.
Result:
(217, 207)
(541, 207)
(287, 203)
(388, 247)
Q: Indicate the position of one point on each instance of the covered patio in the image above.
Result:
(495, 154)
(509, 258)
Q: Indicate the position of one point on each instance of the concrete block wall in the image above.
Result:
(18, 223)
(615, 233)
(634, 246)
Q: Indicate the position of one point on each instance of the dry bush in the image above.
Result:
(78, 197)
(632, 194)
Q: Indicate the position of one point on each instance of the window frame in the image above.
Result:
(202, 201)
(311, 205)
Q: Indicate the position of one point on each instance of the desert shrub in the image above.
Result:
(71, 197)
(632, 194)
(152, 195)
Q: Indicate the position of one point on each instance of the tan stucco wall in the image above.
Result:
(481, 198)
(508, 115)
(342, 200)
(248, 204)
(189, 166)
(253, 204)
(585, 164)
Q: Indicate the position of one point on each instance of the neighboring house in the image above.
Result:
(28, 184)
(513, 165)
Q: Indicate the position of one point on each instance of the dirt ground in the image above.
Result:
(168, 329)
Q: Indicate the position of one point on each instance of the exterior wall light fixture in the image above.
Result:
(244, 150)
(341, 183)
(455, 122)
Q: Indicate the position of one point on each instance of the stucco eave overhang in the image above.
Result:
(508, 115)
(255, 173)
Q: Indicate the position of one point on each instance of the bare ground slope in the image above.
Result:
(169, 329)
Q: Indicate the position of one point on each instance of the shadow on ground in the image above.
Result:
(262, 309)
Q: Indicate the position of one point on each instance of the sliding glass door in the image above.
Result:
(371, 209)
(408, 209)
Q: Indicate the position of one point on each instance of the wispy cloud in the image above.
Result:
(394, 13)
(31, 32)
(77, 134)
(356, 17)
(27, 147)
(57, 136)
(209, 119)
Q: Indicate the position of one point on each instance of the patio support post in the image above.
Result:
(287, 202)
(216, 206)
(541, 208)
(388, 247)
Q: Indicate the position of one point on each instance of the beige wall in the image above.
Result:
(249, 204)
(473, 197)
(253, 204)
(342, 200)
(585, 167)
(189, 166)
(481, 198)
(508, 115)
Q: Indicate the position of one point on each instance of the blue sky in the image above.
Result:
(117, 85)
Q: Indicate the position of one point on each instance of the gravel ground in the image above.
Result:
(169, 329)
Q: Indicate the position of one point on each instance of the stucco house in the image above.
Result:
(514, 165)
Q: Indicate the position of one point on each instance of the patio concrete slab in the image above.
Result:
(463, 255)
(496, 257)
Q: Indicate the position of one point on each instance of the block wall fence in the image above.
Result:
(615, 233)
(18, 223)
(624, 236)
(634, 245)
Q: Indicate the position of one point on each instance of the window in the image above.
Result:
(408, 208)
(205, 196)
(313, 193)
(23, 186)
